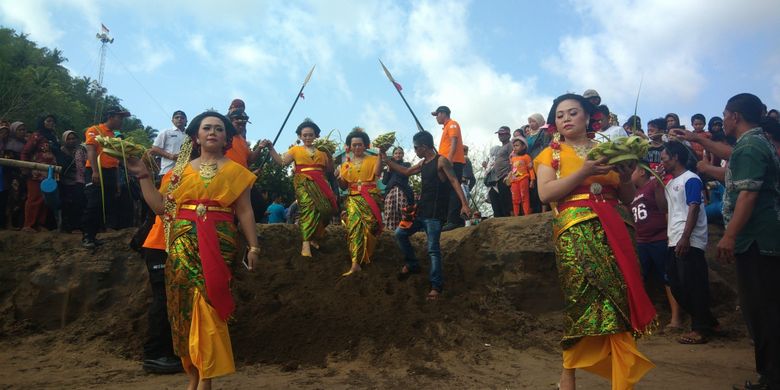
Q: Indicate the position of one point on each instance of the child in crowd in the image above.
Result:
(687, 234)
(522, 176)
(649, 210)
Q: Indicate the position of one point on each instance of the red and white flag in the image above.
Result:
(104, 28)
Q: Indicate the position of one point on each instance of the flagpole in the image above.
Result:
(398, 89)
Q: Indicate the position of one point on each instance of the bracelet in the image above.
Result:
(254, 249)
(142, 176)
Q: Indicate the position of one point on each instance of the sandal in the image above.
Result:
(692, 340)
(433, 295)
(669, 328)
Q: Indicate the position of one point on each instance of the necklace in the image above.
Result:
(357, 164)
(582, 150)
(207, 171)
(312, 151)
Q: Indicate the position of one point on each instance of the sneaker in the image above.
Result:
(88, 243)
(163, 365)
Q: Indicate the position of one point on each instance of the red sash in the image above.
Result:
(363, 190)
(642, 310)
(316, 174)
(215, 271)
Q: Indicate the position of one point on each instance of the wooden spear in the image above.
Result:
(398, 89)
(298, 96)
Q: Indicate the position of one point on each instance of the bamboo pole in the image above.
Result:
(7, 162)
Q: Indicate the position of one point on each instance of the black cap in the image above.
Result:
(443, 109)
(177, 112)
(238, 113)
(116, 110)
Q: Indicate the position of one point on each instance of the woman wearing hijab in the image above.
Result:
(72, 181)
(41, 148)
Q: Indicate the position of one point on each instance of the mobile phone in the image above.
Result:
(245, 261)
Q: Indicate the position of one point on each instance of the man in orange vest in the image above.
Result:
(451, 146)
(101, 173)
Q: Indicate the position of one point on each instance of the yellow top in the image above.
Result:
(571, 163)
(302, 156)
(229, 183)
(361, 173)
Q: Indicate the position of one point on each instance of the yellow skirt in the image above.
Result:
(613, 356)
(210, 351)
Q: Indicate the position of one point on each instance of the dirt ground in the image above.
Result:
(71, 318)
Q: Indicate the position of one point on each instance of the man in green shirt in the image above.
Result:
(751, 210)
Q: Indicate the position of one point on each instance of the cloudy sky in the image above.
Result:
(492, 62)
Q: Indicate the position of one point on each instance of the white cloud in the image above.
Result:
(375, 116)
(481, 98)
(250, 55)
(663, 41)
(33, 17)
(152, 56)
(37, 17)
(197, 44)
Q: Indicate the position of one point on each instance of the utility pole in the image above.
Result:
(105, 39)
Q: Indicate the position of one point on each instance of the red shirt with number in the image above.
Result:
(650, 221)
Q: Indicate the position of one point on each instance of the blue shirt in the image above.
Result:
(275, 213)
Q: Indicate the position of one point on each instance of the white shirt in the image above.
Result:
(611, 134)
(681, 191)
(170, 141)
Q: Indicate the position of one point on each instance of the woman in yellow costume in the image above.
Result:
(606, 304)
(358, 174)
(315, 197)
(207, 191)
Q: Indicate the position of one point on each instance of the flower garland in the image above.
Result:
(555, 145)
(169, 203)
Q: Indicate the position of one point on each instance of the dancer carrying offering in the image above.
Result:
(206, 193)
(358, 175)
(315, 197)
(606, 304)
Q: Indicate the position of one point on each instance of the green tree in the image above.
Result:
(33, 82)
(275, 179)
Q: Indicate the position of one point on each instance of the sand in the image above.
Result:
(73, 318)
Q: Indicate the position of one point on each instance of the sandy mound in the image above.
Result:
(501, 289)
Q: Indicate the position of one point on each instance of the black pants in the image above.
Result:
(73, 202)
(690, 283)
(536, 204)
(758, 281)
(92, 218)
(453, 212)
(501, 200)
(159, 343)
(3, 208)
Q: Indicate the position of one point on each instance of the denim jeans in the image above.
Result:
(432, 228)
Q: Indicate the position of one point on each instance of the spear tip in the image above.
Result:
(308, 76)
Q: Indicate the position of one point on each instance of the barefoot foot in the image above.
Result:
(355, 268)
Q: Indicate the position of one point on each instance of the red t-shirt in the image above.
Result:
(650, 222)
